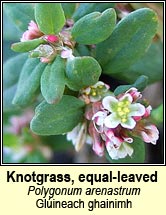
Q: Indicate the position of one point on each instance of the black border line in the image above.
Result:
(80, 164)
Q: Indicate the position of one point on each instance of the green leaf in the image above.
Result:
(34, 157)
(49, 17)
(10, 140)
(129, 41)
(57, 142)
(12, 69)
(82, 72)
(86, 8)
(82, 50)
(157, 115)
(94, 27)
(153, 69)
(27, 45)
(10, 31)
(57, 118)
(140, 84)
(20, 13)
(138, 155)
(11, 73)
(29, 82)
(121, 89)
(53, 81)
(8, 96)
(69, 9)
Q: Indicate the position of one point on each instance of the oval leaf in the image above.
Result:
(8, 96)
(12, 69)
(94, 27)
(20, 13)
(11, 73)
(121, 89)
(86, 8)
(69, 9)
(153, 69)
(10, 31)
(29, 82)
(27, 45)
(49, 17)
(82, 72)
(53, 81)
(128, 42)
(57, 118)
(140, 84)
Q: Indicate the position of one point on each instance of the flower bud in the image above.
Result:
(51, 38)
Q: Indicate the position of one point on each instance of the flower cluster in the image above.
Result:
(33, 32)
(55, 44)
(24, 142)
(111, 122)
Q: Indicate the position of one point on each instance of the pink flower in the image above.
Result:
(33, 32)
(147, 111)
(134, 93)
(98, 143)
(146, 114)
(98, 120)
(91, 109)
(45, 60)
(79, 136)
(95, 93)
(45, 52)
(19, 122)
(150, 134)
(51, 38)
(67, 53)
(116, 146)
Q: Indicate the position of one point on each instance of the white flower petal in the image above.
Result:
(126, 97)
(128, 139)
(150, 135)
(137, 110)
(81, 137)
(134, 93)
(128, 148)
(72, 135)
(145, 137)
(98, 146)
(112, 121)
(117, 141)
(153, 128)
(130, 123)
(86, 91)
(131, 90)
(99, 117)
(66, 53)
(99, 83)
(148, 111)
(121, 152)
(109, 102)
(89, 139)
(113, 153)
(98, 120)
(95, 98)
